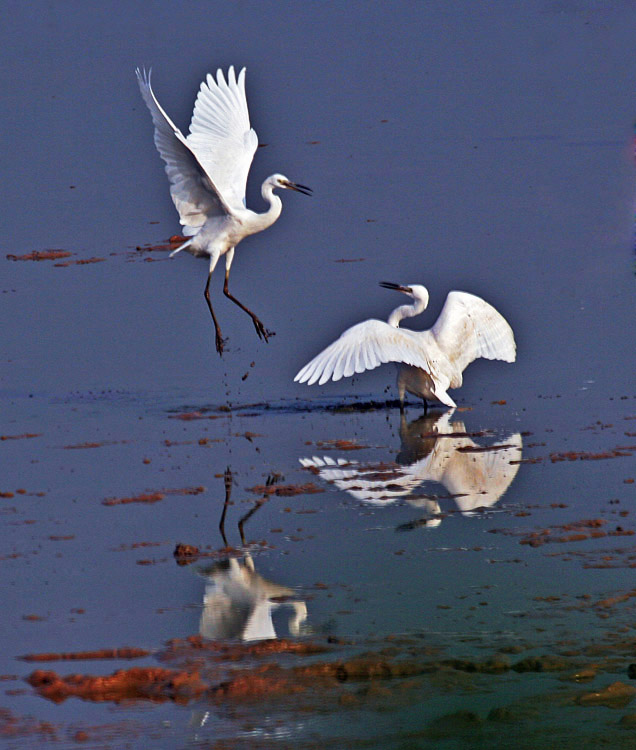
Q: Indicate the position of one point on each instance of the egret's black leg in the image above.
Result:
(219, 339)
(228, 493)
(262, 332)
(246, 518)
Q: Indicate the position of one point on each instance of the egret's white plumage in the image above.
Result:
(434, 449)
(208, 173)
(431, 361)
(238, 603)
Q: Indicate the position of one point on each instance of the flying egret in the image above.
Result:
(238, 602)
(430, 361)
(208, 174)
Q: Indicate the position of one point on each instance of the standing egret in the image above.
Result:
(434, 449)
(430, 361)
(208, 174)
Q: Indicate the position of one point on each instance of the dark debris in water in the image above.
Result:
(344, 406)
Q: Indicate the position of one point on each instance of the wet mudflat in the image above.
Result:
(198, 552)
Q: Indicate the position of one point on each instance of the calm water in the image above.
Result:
(488, 149)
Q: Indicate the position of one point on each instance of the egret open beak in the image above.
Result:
(396, 287)
(298, 188)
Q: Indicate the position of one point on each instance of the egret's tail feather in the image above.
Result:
(444, 398)
(182, 247)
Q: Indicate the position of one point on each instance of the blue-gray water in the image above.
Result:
(482, 147)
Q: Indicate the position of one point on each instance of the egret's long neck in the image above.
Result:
(267, 218)
(406, 311)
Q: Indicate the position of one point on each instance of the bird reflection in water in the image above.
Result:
(238, 603)
(434, 449)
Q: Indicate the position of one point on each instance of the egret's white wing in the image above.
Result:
(259, 626)
(480, 477)
(468, 328)
(193, 193)
(365, 346)
(378, 485)
(220, 134)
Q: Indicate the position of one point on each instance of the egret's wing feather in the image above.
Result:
(193, 194)
(370, 484)
(220, 134)
(479, 479)
(468, 328)
(259, 626)
(365, 346)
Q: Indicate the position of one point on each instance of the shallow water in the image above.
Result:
(483, 149)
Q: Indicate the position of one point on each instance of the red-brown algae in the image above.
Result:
(340, 444)
(25, 435)
(144, 497)
(152, 496)
(103, 653)
(138, 683)
(41, 255)
(189, 416)
(286, 490)
(577, 531)
(79, 262)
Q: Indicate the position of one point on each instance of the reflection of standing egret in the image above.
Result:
(430, 361)
(208, 174)
(434, 449)
(238, 602)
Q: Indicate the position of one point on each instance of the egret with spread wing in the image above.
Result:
(430, 361)
(208, 174)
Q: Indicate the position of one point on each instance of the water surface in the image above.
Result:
(487, 149)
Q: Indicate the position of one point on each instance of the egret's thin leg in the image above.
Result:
(401, 394)
(247, 517)
(228, 493)
(262, 332)
(219, 338)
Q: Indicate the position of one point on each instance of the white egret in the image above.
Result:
(208, 174)
(430, 361)
(238, 602)
(434, 449)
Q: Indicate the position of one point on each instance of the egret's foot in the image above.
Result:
(262, 332)
(220, 343)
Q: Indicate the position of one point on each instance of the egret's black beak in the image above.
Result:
(395, 287)
(298, 188)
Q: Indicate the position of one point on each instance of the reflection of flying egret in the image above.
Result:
(434, 449)
(238, 602)
(208, 173)
(431, 361)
